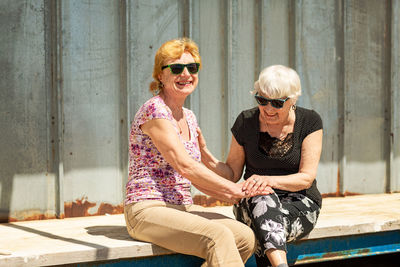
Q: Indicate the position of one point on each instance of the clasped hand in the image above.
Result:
(257, 185)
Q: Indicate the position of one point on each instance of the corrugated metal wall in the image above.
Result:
(73, 74)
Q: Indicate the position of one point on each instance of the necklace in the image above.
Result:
(180, 129)
(281, 135)
(179, 126)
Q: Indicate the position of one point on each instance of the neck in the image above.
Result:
(281, 129)
(174, 104)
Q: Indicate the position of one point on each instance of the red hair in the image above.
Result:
(172, 50)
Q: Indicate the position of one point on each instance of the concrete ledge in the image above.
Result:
(103, 238)
(358, 215)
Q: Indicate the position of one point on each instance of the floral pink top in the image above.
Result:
(151, 177)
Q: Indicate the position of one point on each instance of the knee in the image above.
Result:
(246, 234)
(221, 233)
(236, 241)
(239, 235)
(246, 241)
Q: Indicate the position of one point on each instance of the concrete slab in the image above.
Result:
(99, 238)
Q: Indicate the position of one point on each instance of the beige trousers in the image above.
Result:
(192, 230)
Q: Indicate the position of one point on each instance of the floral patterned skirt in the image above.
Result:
(276, 220)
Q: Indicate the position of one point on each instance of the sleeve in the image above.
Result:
(149, 111)
(314, 122)
(237, 129)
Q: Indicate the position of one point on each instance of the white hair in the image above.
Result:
(278, 81)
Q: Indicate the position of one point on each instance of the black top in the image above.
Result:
(266, 155)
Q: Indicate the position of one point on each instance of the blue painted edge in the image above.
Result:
(307, 251)
(344, 247)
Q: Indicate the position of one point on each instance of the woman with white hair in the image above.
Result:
(279, 145)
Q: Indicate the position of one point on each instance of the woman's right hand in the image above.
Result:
(256, 184)
(266, 190)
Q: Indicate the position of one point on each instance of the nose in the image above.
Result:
(268, 107)
(185, 72)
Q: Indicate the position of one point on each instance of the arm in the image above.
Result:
(233, 168)
(211, 162)
(167, 142)
(235, 160)
(310, 155)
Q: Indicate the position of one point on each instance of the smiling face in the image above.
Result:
(277, 82)
(271, 115)
(179, 85)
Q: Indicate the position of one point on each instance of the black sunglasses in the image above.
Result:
(276, 103)
(176, 69)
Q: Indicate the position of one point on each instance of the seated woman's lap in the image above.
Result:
(187, 229)
(277, 220)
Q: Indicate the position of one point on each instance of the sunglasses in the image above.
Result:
(276, 103)
(176, 69)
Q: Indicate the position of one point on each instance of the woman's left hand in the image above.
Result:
(257, 183)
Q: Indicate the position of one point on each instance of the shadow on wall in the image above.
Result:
(25, 149)
(28, 123)
(10, 121)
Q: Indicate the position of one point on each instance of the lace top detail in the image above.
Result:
(274, 147)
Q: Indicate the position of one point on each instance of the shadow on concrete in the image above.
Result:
(110, 231)
(101, 251)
